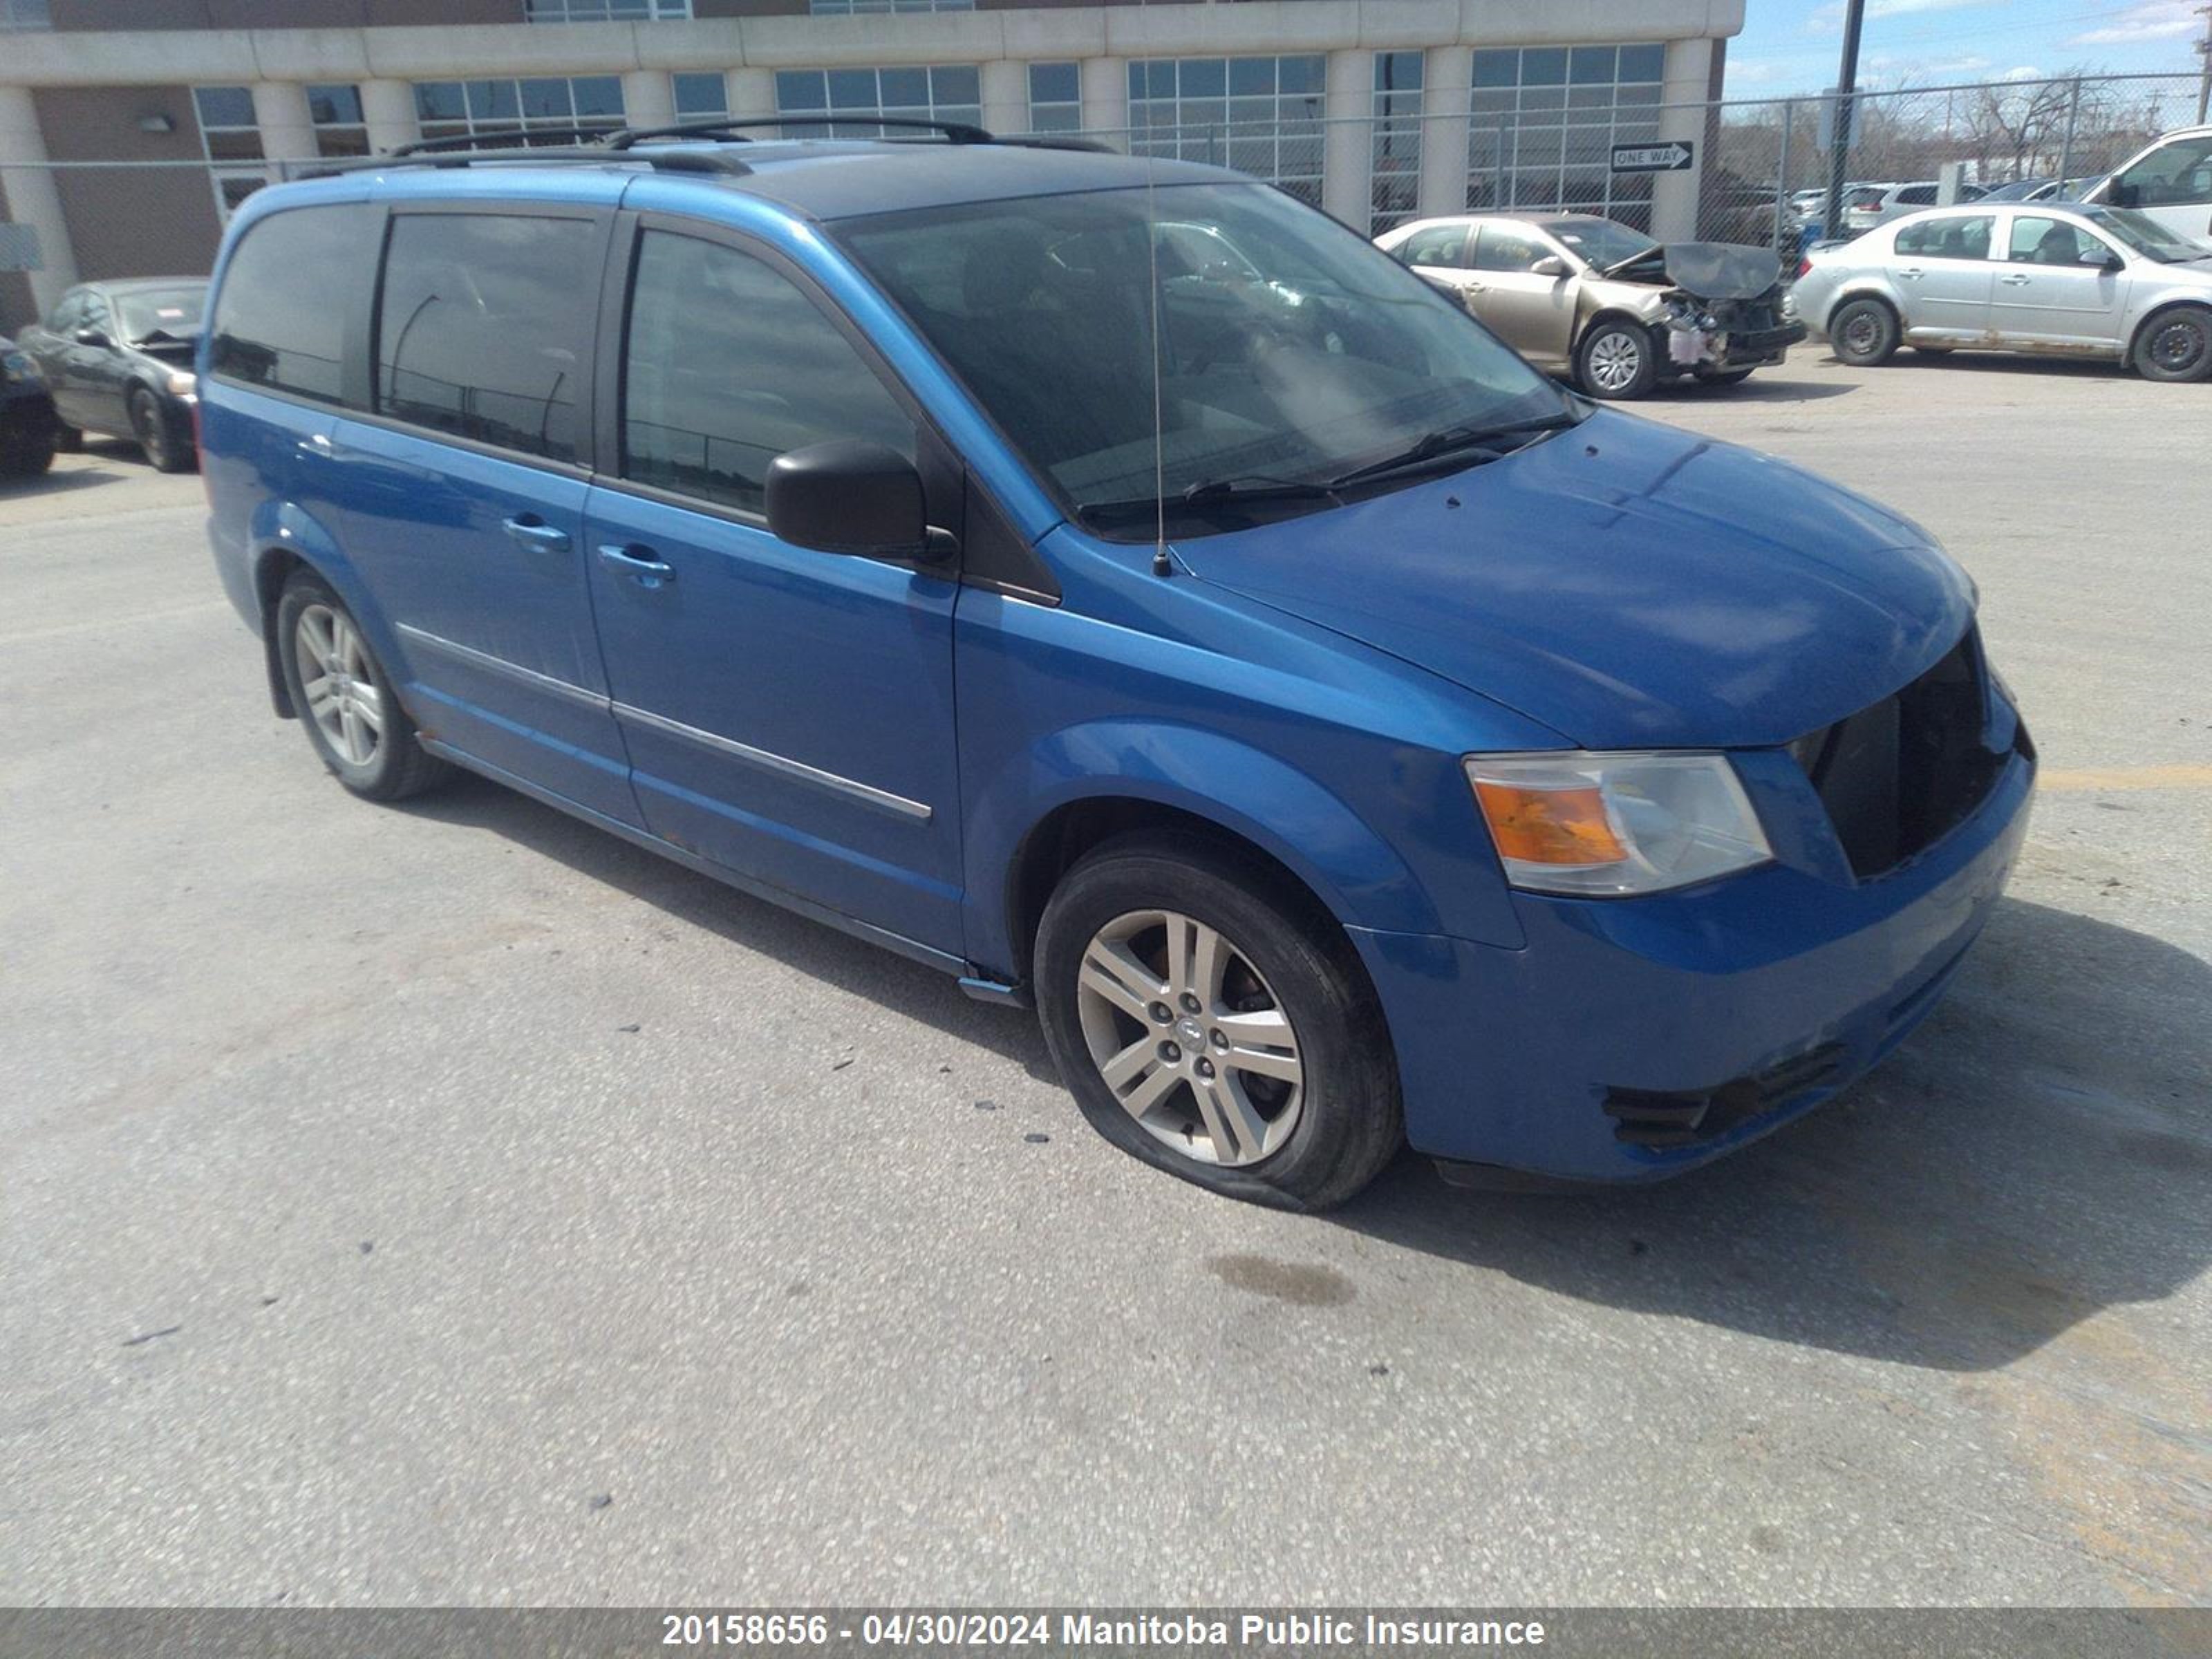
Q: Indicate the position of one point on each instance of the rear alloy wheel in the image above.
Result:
(1615, 360)
(343, 698)
(2176, 345)
(149, 428)
(1212, 1021)
(1863, 334)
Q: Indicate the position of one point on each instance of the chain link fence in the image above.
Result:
(1757, 169)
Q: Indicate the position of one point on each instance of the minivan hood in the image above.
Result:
(1625, 584)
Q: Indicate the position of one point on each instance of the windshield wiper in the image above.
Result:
(1452, 440)
(1213, 492)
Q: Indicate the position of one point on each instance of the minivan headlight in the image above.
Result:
(1613, 825)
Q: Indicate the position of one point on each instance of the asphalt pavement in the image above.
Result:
(452, 1204)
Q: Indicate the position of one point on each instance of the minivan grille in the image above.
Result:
(1898, 775)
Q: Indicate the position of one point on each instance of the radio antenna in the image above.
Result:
(1161, 567)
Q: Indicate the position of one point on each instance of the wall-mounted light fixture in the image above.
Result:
(157, 121)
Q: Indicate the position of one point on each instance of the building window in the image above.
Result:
(1055, 98)
(854, 8)
(26, 15)
(605, 11)
(339, 127)
(1543, 121)
(701, 97)
(1258, 115)
(1395, 168)
(229, 136)
(947, 92)
(449, 109)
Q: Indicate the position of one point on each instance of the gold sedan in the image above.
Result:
(1602, 305)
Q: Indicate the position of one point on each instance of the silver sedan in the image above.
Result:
(2077, 282)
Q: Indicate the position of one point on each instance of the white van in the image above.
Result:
(2171, 180)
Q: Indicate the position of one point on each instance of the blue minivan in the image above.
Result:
(1119, 585)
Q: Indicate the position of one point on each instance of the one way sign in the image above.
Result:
(1675, 157)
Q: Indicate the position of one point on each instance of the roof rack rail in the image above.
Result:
(510, 137)
(669, 160)
(957, 132)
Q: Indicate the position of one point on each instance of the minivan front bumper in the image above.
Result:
(1630, 1039)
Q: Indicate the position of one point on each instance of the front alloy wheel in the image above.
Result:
(1193, 1042)
(1213, 1019)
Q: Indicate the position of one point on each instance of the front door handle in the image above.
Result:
(2010, 281)
(528, 529)
(638, 562)
(1912, 273)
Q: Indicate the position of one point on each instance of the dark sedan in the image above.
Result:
(117, 358)
(27, 415)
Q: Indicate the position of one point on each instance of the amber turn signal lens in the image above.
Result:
(1549, 826)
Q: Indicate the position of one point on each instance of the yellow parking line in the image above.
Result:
(2127, 777)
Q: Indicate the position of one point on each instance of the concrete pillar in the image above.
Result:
(1347, 145)
(750, 91)
(1005, 95)
(1683, 98)
(287, 125)
(648, 98)
(1447, 87)
(387, 108)
(32, 199)
(1106, 98)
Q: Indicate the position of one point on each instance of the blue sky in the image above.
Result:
(1791, 45)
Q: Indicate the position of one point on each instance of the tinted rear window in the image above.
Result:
(485, 326)
(280, 319)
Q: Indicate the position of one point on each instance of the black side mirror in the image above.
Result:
(91, 336)
(848, 495)
(2119, 195)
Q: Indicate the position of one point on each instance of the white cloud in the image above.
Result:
(2148, 20)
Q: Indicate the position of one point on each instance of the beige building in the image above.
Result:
(129, 128)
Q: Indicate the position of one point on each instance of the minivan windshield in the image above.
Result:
(1291, 354)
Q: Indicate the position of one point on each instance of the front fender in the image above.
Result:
(1318, 836)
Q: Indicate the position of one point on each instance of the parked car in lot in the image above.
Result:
(119, 359)
(1341, 732)
(1581, 295)
(2171, 179)
(1872, 204)
(2049, 278)
(26, 415)
(2041, 190)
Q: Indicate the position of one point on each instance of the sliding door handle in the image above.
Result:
(637, 562)
(531, 531)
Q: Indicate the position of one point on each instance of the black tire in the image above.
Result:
(1349, 1122)
(2175, 345)
(400, 766)
(1864, 332)
(1723, 376)
(151, 430)
(69, 440)
(1604, 336)
(27, 453)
